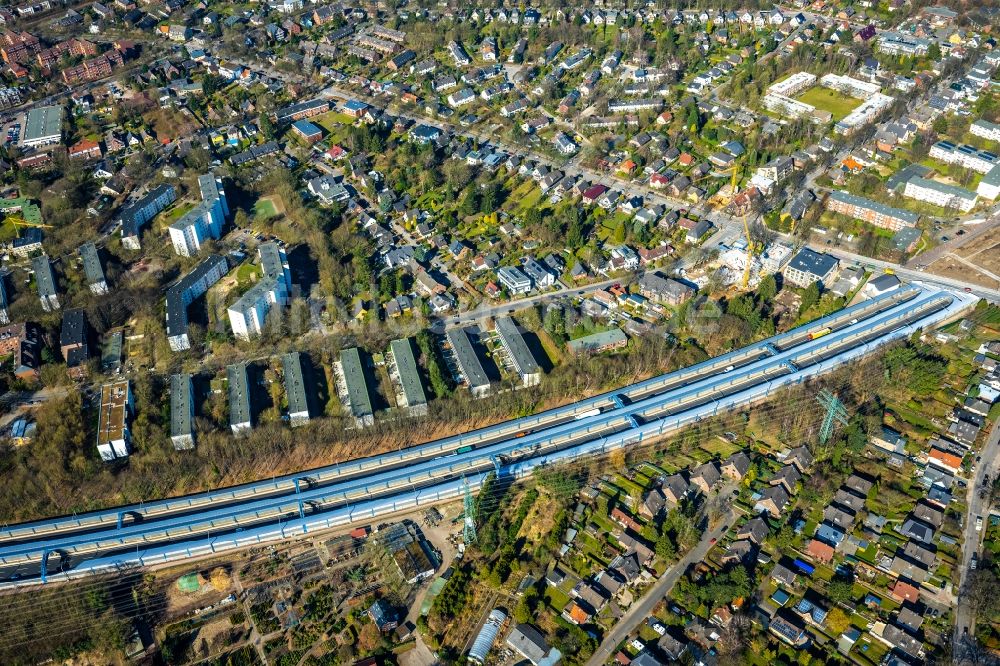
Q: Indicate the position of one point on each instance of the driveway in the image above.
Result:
(643, 608)
(965, 616)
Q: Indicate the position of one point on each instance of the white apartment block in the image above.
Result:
(986, 130)
(793, 85)
(786, 106)
(248, 315)
(202, 222)
(896, 43)
(989, 186)
(114, 440)
(940, 194)
(850, 86)
(964, 155)
(866, 113)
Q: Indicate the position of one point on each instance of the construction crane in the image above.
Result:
(736, 169)
(18, 223)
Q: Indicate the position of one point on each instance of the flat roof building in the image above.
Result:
(468, 361)
(412, 396)
(92, 269)
(248, 315)
(184, 292)
(358, 397)
(45, 283)
(518, 351)
(135, 216)
(940, 194)
(202, 222)
(42, 126)
(4, 303)
(181, 412)
(295, 389)
(240, 418)
(870, 211)
(114, 441)
(73, 341)
(599, 342)
(807, 267)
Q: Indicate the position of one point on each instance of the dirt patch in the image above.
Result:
(982, 244)
(951, 267)
(169, 124)
(984, 251)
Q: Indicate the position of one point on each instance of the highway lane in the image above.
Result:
(382, 508)
(122, 516)
(705, 391)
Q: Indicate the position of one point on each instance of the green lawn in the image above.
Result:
(247, 274)
(719, 446)
(177, 211)
(264, 209)
(333, 120)
(824, 99)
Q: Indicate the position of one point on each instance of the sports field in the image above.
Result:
(267, 207)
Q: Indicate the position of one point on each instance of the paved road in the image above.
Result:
(965, 617)
(911, 274)
(498, 310)
(928, 257)
(643, 608)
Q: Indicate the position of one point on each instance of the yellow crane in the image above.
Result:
(751, 249)
(18, 223)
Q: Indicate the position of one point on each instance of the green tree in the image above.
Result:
(810, 297)
(266, 126)
(840, 591)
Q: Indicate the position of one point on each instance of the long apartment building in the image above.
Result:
(308, 109)
(634, 105)
(114, 440)
(92, 269)
(986, 130)
(518, 352)
(45, 283)
(411, 395)
(989, 186)
(866, 113)
(181, 412)
(870, 211)
(793, 85)
(850, 86)
(295, 389)
(897, 43)
(468, 362)
(359, 400)
(135, 216)
(202, 222)
(240, 414)
(940, 194)
(248, 315)
(964, 155)
(181, 295)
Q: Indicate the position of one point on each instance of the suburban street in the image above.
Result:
(642, 608)
(508, 307)
(978, 505)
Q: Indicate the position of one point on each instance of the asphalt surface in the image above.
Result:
(643, 608)
(965, 615)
